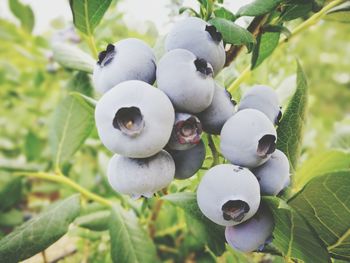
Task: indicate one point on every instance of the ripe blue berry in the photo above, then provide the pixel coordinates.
(128, 59)
(253, 234)
(186, 133)
(273, 176)
(187, 80)
(188, 162)
(228, 194)
(264, 99)
(141, 177)
(199, 37)
(129, 120)
(248, 138)
(219, 111)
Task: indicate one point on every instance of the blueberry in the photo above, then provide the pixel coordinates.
(264, 99)
(199, 37)
(273, 176)
(248, 138)
(253, 234)
(134, 119)
(186, 132)
(141, 177)
(128, 59)
(220, 110)
(228, 194)
(187, 80)
(188, 162)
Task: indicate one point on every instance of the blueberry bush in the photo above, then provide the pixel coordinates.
(215, 143)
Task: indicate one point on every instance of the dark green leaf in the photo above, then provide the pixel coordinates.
(97, 221)
(290, 130)
(201, 227)
(40, 232)
(80, 82)
(72, 123)
(296, 9)
(24, 13)
(340, 13)
(87, 14)
(10, 193)
(320, 164)
(73, 58)
(129, 241)
(258, 7)
(266, 44)
(224, 13)
(292, 236)
(33, 146)
(278, 28)
(232, 33)
(325, 204)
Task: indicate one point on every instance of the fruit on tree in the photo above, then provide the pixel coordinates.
(141, 177)
(219, 111)
(199, 37)
(253, 234)
(188, 162)
(228, 194)
(274, 175)
(129, 120)
(264, 99)
(248, 138)
(186, 133)
(187, 80)
(128, 59)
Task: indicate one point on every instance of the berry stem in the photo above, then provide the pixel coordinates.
(214, 151)
(92, 45)
(68, 182)
(303, 26)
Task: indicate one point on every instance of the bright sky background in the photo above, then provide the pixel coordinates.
(136, 11)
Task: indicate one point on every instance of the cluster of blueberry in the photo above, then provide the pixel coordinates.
(156, 132)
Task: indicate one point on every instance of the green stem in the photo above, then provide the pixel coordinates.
(68, 182)
(214, 151)
(306, 24)
(92, 45)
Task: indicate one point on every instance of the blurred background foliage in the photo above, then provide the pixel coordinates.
(32, 84)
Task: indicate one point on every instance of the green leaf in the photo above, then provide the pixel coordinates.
(320, 164)
(292, 236)
(296, 9)
(258, 7)
(24, 13)
(232, 33)
(189, 9)
(40, 232)
(325, 204)
(340, 13)
(201, 227)
(11, 193)
(71, 57)
(72, 123)
(81, 82)
(87, 14)
(290, 130)
(97, 221)
(266, 44)
(11, 218)
(84, 100)
(129, 241)
(33, 146)
(224, 13)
